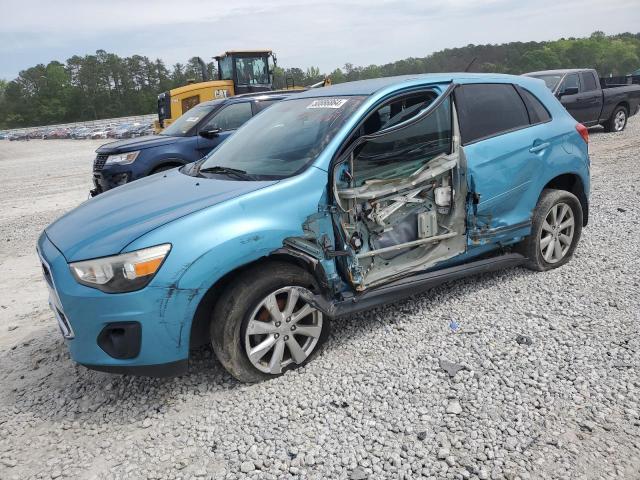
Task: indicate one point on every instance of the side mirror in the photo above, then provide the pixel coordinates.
(209, 133)
(569, 91)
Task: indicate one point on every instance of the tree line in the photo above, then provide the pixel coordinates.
(105, 85)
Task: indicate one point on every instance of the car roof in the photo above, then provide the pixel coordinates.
(369, 87)
(560, 71)
(250, 97)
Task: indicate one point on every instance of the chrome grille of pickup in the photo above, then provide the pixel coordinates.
(99, 162)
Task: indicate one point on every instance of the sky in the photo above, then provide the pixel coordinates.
(303, 33)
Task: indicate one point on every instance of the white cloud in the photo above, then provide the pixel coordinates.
(303, 33)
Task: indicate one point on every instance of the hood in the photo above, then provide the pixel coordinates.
(138, 143)
(106, 224)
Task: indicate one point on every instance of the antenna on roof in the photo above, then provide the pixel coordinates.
(470, 63)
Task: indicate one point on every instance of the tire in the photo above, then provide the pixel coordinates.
(618, 120)
(544, 236)
(240, 322)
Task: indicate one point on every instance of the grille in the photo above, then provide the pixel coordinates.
(99, 162)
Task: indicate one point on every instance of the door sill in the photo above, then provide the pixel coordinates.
(412, 285)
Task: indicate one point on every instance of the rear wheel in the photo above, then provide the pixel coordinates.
(262, 326)
(555, 230)
(618, 120)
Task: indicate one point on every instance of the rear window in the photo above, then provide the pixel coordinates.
(486, 110)
(537, 111)
(550, 80)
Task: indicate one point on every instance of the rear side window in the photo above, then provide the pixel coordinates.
(537, 111)
(486, 110)
(588, 81)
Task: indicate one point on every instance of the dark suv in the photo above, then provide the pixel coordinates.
(186, 140)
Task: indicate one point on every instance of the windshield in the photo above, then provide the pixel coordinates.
(551, 80)
(252, 71)
(186, 122)
(284, 139)
(224, 67)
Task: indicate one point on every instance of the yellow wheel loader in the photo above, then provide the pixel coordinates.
(238, 72)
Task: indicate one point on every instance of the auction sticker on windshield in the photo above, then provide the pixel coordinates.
(328, 103)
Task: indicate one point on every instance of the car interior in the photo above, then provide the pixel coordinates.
(400, 196)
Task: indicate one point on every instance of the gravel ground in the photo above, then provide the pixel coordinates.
(377, 402)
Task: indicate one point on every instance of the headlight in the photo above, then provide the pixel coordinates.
(122, 158)
(121, 273)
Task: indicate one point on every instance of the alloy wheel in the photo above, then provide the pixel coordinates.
(557, 233)
(282, 330)
(619, 120)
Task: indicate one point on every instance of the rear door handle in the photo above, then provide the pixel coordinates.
(539, 147)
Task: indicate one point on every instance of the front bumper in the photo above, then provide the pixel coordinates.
(163, 315)
(171, 369)
(110, 177)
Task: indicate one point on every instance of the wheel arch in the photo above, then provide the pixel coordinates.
(199, 334)
(572, 183)
(167, 162)
(624, 104)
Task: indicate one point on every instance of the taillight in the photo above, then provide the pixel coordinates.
(584, 133)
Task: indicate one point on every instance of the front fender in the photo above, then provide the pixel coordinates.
(210, 243)
(157, 159)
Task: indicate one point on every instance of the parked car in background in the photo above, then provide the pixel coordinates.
(111, 126)
(35, 134)
(57, 133)
(590, 101)
(148, 129)
(122, 130)
(80, 133)
(18, 136)
(186, 140)
(331, 201)
(125, 131)
(141, 130)
(111, 132)
(99, 132)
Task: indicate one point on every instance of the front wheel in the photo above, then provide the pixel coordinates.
(555, 230)
(263, 326)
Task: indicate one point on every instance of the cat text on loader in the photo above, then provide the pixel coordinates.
(239, 71)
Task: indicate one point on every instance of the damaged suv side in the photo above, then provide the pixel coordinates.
(331, 202)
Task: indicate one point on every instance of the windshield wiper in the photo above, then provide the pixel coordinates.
(227, 171)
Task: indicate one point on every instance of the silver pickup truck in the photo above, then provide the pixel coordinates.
(590, 101)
